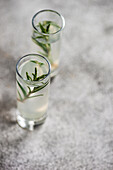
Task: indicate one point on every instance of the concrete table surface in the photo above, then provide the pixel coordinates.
(78, 133)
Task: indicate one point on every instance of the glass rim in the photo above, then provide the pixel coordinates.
(33, 54)
(49, 10)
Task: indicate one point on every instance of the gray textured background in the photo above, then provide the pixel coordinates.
(78, 133)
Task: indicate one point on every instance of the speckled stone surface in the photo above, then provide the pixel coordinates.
(78, 133)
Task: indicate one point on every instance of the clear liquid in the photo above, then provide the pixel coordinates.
(53, 40)
(33, 108)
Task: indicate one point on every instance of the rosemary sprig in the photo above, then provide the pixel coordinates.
(36, 62)
(44, 45)
(28, 94)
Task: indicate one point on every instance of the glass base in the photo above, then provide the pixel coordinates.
(30, 124)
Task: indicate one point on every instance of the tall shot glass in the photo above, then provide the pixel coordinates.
(47, 29)
(32, 80)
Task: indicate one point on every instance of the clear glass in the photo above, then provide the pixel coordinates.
(32, 80)
(47, 29)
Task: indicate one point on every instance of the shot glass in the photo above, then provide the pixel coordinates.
(32, 81)
(47, 28)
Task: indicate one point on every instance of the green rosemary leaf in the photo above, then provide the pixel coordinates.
(48, 47)
(29, 89)
(28, 77)
(20, 95)
(41, 64)
(33, 61)
(51, 23)
(23, 90)
(43, 46)
(33, 76)
(47, 28)
(36, 62)
(38, 37)
(34, 31)
(42, 28)
(42, 77)
(35, 72)
(40, 87)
